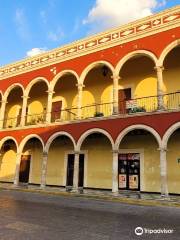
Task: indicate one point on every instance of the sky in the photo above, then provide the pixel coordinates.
(29, 27)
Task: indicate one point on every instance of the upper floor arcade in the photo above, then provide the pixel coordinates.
(132, 77)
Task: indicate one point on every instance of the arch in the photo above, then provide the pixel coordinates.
(91, 66)
(10, 88)
(91, 131)
(3, 140)
(166, 50)
(134, 127)
(54, 136)
(130, 55)
(168, 134)
(27, 138)
(33, 82)
(61, 74)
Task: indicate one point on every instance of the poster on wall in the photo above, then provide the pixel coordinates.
(122, 180)
(133, 181)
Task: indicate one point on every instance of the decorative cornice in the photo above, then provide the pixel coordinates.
(160, 22)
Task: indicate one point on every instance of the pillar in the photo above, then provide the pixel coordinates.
(76, 172)
(115, 172)
(2, 112)
(160, 87)
(49, 106)
(18, 161)
(115, 93)
(79, 100)
(44, 169)
(163, 172)
(24, 112)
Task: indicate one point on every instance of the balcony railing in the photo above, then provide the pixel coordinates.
(149, 104)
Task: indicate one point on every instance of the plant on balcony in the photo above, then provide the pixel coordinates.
(137, 109)
(98, 114)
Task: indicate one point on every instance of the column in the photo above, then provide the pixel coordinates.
(49, 106)
(23, 114)
(163, 172)
(76, 172)
(79, 100)
(115, 93)
(18, 161)
(160, 86)
(115, 172)
(2, 112)
(44, 169)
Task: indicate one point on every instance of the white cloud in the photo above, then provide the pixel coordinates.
(35, 51)
(111, 13)
(56, 36)
(21, 24)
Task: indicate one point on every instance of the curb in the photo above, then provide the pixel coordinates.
(140, 202)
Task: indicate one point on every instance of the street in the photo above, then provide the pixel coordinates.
(31, 216)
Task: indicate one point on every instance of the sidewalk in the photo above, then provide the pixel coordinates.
(144, 199)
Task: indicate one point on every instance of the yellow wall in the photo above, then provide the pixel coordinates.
(56, 160)
(173, 167)
(8, 165)
(37, 103)
(151, 166)
(99, 162)
(14, 103)
(34, 148)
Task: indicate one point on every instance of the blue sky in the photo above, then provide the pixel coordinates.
(47, 24)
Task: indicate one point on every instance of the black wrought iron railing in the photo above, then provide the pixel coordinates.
(166, 102)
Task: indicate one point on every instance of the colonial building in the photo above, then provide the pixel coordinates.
(102, 112)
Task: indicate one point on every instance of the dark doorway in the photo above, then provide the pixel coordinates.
(81, 170)
(70, 170)
(24, 168)
(19, 117)
(56, 111)
(124, 95)
(129, 171)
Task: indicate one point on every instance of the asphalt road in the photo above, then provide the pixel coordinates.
(31, 216)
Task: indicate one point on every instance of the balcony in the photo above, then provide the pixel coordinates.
(170, 102)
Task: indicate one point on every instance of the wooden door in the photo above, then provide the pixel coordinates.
(124, 95)
(70, 170)
(81, 170)
(56, 110)
(24, 168)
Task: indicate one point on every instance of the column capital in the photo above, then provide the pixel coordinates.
(115, 77)
(25, 97)
(161, 149)
(50, 92)
(4, 101)
(80, 85)
(159, 68)
(115, 151)
(45, 154)
(76, 152)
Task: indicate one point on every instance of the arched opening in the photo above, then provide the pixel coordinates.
(171, 78)
(173, 162)
(59, 170)
(138, 162)
(137, 85)
(31, 161)
(37, 103)
(97, 94)
(64, 102)
(12, 117)
(98, 161)
(8, 161)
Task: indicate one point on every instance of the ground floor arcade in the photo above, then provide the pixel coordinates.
(138, 160)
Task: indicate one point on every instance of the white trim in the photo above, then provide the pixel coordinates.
(141, 152)
(124, 132)
(88, 68)
(33, 82)
(54, 136)
(166, 50)
(27, 138)
(91, 131)
(169, 133)
(11, 87)
(61, 74)
(3, 140)
(133, 54)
